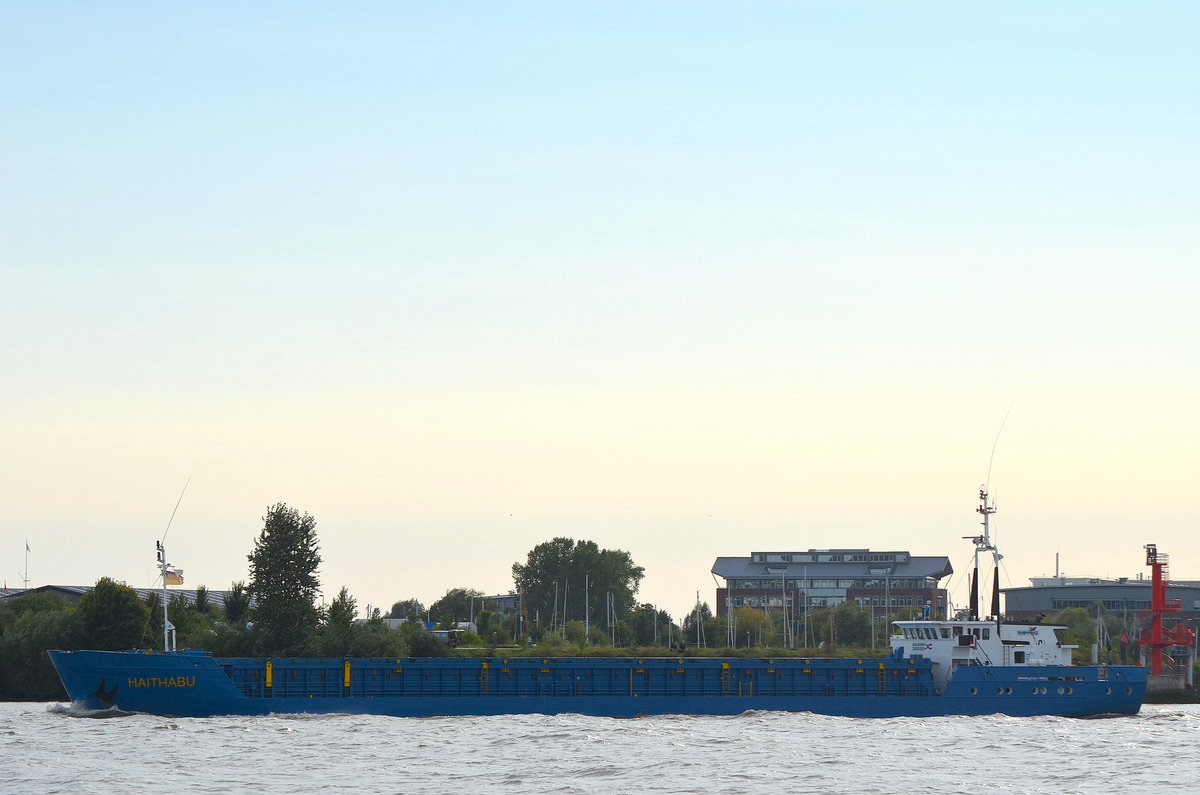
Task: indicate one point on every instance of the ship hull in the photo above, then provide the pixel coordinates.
(197, 685)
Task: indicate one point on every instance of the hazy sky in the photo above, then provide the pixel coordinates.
(686, 279)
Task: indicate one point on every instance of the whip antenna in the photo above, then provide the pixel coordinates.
(988, 481)
(189, 480)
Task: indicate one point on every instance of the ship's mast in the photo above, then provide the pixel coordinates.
(170, 575)
(984, 543)
(163, 566)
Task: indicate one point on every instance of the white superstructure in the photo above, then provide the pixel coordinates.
(951, 644)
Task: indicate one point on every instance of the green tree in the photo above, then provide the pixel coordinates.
(752, 627)
(487, 622)
(237, 603)
(820, 626)
(230, 641)
(337, 633)
(283, 582)
(111, 616)
(574, 631)
(420, 642)
(852, 624)
(29, 625)
(644, 622)
(25, 669)
(566, 579)
(702, 613)
(201, 603)
(12, 607)
(456, 605)
(406, 608)
(193, 630)
(1080, 631)
(373, 638)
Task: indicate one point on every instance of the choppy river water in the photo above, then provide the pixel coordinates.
(46, 748)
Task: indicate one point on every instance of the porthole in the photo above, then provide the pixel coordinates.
(1108, 691)
(1070, 690)
(1044, 691)
(1129, 691)
(974, 691)
(1033, 690)
(1060, 691)
(1008, 691)
(999, 691)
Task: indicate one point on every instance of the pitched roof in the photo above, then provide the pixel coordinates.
(937, 566)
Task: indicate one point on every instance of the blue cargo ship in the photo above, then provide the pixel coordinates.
(935, 668)
(961, 666)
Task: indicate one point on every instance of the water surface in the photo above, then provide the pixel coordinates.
(51, 748)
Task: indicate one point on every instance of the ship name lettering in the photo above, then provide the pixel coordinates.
(162, 681)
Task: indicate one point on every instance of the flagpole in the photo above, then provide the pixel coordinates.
(25, 579)
(163, 565)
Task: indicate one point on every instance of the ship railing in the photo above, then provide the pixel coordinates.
(983, 653)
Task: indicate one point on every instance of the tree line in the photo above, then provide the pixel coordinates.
(274, 613)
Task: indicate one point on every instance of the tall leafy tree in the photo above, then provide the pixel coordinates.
(852, 624)
(111, 616)
(560, 574)
(237, 603)
(373, 638)
(201, 603)
(456, 605)
(647, 626)
(338, 630)
(283, 582)
(406, 608)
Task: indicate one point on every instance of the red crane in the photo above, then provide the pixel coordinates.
(1158, 637)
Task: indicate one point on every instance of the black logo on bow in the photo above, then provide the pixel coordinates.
(107, 697)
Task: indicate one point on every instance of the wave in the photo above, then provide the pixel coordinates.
(77, 710)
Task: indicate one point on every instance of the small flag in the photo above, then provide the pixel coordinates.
(27, 549)
(173, 577)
